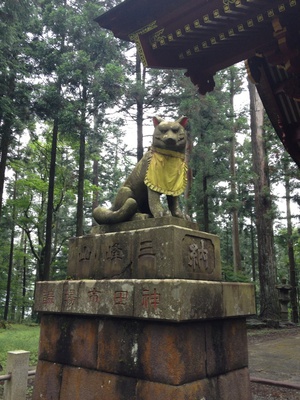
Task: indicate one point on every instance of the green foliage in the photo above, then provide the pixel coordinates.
(19, 337)
(229, 275)
(57, 65)
(282, 240)
(210, 131)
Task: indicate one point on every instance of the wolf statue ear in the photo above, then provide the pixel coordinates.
(183, 121)
(157, 120)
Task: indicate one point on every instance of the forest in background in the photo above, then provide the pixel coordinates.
(75, 111)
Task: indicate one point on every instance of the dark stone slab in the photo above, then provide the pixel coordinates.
(47, 381)
(226, 346)
(203, 389)
(117, 359)
(68, 340)
(152, 351)
(86, 384)
(234, 385)
(159, 352)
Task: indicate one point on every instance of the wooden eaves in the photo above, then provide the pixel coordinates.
(205, 36)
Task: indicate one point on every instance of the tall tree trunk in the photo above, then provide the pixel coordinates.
(95, 199)
(6, 137)
(47, 255)
(47, 258)
(80, 190)
(205, 215)
(5, 140)
(187, 193)
(205, 203)
(237, 261)
(95, 183)
(269, 306)
(11, 253)
(290, 244)
(24, 268)
(252, 250)
(139, 107)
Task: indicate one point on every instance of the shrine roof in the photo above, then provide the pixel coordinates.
(205, 36)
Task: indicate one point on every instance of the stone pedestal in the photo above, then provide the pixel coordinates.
(145, 317)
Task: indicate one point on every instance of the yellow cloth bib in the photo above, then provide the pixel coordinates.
(166, 172)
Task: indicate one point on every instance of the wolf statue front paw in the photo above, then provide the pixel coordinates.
(140, 216)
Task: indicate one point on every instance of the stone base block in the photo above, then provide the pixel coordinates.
(47, 381)
(173, 300)
(158, 252)
(71, 383)
(232, 386)
(166, 353)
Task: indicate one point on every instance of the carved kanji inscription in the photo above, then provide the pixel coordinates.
(147, 259)
(69, 297)
(120, 297)
(150, 299)
(198, 256)
(48, 296)
(85, 253)
(94, 295)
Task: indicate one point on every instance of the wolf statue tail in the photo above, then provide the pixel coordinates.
(105, 216)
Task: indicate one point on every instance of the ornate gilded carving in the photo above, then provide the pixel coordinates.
(287, 53)
(135, 36)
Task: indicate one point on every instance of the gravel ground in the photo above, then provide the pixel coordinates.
(266, 392)
(267, 336)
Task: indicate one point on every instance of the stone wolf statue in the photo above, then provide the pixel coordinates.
(162, 170)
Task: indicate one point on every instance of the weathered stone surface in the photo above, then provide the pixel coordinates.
(151, 350)
(99, 297)
(68, 340)
(226, 346)
(54, 381)
(167, 353)
(201, 389)
(177, 300)
(234, 386)
(173, 354)
(118, 342)
(49, 296)
(166, 299)
(179, 334)
(144, 224)
(162, 252)
(47, 381)
(172, 252)
(120, 359)
(238, 298)
(101, 256)
(85, 384)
